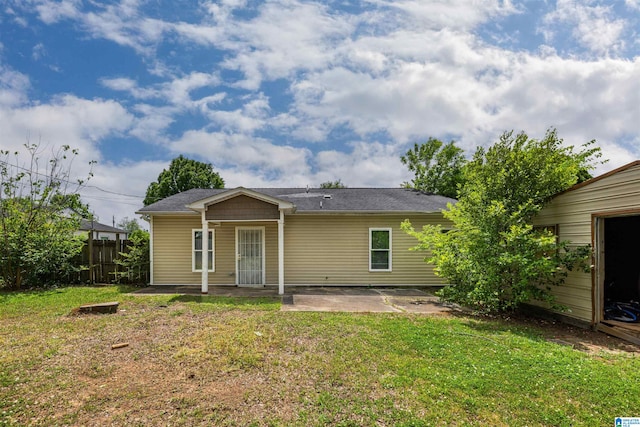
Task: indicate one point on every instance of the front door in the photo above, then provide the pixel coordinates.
(250, 256)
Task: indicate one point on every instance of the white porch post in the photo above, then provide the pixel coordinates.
(205, 255)
(281, 254)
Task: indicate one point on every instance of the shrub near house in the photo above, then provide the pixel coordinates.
(494, 256)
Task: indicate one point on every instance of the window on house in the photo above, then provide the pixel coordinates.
(379, 249)
(197, 251)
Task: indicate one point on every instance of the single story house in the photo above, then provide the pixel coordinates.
(291, 236)
(603, 212)
(102, 231)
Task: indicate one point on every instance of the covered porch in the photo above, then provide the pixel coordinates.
(251, 217)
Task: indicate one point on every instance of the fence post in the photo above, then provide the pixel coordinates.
(90, 241)
(117, 256)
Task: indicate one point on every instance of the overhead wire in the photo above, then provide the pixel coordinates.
(111, 200)
(73, 183)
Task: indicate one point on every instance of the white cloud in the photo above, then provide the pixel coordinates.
(80, 123)
(285, 37)
(176, 91)
(122, 23)
(617, 155)
(593, 26)
(253, 162)
(200, 33)
(77, 122)
(152, 120)
(238, 151)
(51, 12)
(38, 51)
(398, 73)
(367, 165)
(632, 4)
(442, 87)
(451, 84)
(179, 90)
(122, 84)
(13, 87)
(252, 116)
(151, 123)
(459, 15)
(108, 191)
(584, 100)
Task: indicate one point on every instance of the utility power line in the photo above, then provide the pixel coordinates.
(73, 183)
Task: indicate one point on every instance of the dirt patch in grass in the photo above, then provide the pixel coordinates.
(173, 372)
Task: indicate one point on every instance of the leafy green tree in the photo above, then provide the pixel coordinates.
(40, 211)
(494, 257)
(183, 174)
(437, 167)
(333, 184)
(136, 260)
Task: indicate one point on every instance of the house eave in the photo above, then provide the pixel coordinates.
(167, 213)
(365, 212)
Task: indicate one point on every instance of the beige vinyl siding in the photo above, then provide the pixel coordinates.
(572, 211)
(172, 251)
(334, 250)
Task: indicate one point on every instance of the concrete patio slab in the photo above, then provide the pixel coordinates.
(330, 299)
(346, 303)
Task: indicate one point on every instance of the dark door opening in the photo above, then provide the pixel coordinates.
(622, 259)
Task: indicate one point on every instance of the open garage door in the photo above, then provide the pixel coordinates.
(619, 273)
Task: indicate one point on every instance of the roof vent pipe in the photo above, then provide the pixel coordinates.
(320, 204)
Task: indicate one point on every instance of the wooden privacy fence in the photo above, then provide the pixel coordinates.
(99, 259)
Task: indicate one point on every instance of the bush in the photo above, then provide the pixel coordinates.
(136, 262)
(38, 220)
(494, 257)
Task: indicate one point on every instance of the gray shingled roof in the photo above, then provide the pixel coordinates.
(96, 226)
(341, 200)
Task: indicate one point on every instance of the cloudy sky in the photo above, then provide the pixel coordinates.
(295, 93)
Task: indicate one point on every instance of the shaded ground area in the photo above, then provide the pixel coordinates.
(581, 339)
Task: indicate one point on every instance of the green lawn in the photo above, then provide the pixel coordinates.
(221, 361)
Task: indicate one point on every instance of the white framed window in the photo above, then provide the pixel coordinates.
(380, 249)
(196, 245)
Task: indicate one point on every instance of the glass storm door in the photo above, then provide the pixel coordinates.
(250, 256)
